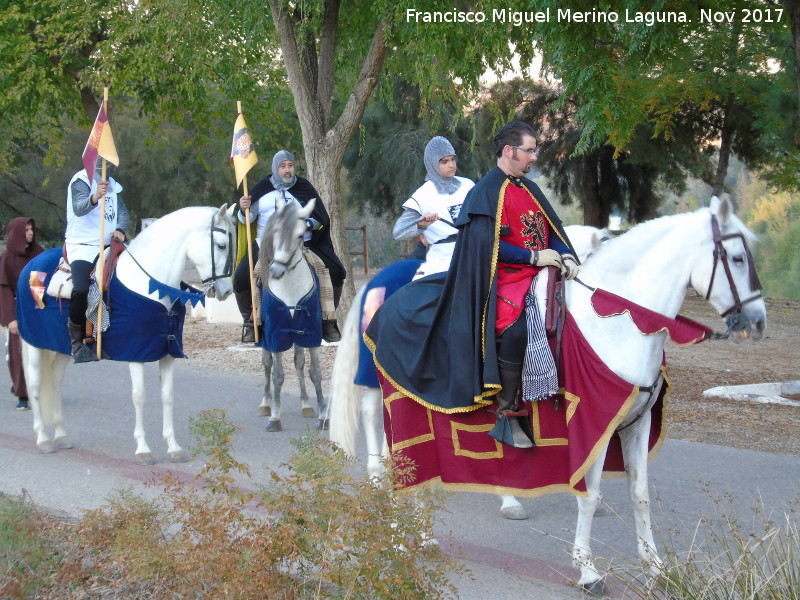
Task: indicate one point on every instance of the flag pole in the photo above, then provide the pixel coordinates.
(100, 265)
(254, 310)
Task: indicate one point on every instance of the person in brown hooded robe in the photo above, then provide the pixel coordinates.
(21, 246)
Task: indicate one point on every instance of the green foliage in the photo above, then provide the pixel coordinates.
(313, 531)
(29, 546)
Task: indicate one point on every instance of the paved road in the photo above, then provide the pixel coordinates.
(508, 559)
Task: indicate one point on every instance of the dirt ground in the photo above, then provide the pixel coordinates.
(691, 369)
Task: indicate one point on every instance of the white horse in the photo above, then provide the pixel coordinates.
(343, 406)
(652, 265)
(287, 275)
(202, 235)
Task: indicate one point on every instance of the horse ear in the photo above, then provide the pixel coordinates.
(308, 208)
(222, 212)
(722, 208)
(231, 213)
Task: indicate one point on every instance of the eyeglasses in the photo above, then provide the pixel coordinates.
(530, 151)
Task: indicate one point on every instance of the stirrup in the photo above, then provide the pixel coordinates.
(84, 354)
(513, 430)
(248, 333)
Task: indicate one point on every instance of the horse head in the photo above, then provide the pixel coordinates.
(215, 255)
(727, 276)
(282, 242)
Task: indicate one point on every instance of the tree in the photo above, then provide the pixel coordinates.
(625, 74)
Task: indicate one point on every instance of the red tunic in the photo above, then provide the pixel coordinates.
(523, 224)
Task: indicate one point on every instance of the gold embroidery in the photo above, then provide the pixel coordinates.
(455, 428)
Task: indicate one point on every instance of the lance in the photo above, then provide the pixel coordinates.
(100, 258)
(255, 310)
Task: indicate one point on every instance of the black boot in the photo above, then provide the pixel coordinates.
(511, 427)
(245, 303)
(80, 351)
(330, 331)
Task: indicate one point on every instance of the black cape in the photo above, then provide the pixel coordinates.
(434, 339)
(320, 242)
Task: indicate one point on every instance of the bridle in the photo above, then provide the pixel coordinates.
(228, 269)
(734, 313)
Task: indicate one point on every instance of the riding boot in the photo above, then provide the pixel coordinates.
(245, 303)
(80, 351)
(512, 427)
(330, 330)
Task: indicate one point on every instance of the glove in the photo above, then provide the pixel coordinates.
(569, 267)
(546, 258)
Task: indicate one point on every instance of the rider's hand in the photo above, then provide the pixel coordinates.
(546, 258)
(119, 235)
(569, 268)
(13, 328)
(102, 190)
(427, 219)
(244, 203)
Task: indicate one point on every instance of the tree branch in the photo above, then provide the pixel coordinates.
(357, 102)
(327, 55)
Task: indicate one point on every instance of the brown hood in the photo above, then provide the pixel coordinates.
(15, 235)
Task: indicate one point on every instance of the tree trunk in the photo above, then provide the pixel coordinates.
(726, 141)
(793, 8)
(324, 145)
(594, 213)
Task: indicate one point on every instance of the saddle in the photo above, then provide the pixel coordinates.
(60, 285)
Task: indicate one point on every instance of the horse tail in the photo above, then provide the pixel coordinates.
(343, 407)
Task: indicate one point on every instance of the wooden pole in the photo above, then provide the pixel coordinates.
(255, 309)
(100, 265)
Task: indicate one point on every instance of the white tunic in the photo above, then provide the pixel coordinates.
(267, 205)
(82, 237)
(427, 199)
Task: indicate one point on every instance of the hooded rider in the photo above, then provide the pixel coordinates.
(82, 242)
(279, 188)
(431, 210)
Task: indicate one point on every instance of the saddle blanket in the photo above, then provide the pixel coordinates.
(142, 329)
(385, 283)
(456, 451)
(282, 329)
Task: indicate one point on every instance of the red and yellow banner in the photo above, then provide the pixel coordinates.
(100, 143)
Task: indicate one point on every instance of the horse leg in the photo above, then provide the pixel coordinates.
(143, 454)
(167, 370)
(635, 441)
(41, 368)
(50, 390)
(315, 374)
(264, 409)
(274, 423)
(372, 416)
(590, 578)
(512, 509)
(299, 368)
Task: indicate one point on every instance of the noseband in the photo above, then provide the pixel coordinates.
(721, 256)
(228, 270)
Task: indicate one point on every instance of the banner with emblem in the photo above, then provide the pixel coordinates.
(243, 156)
(100, 143)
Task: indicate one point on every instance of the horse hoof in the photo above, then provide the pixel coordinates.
(597, 589)
(178, 457)
(145, 459)
(514, 513)
(46, 447)
(308, 413)
(63, 443)
(274, 426)
(322, 425)
(264, 411)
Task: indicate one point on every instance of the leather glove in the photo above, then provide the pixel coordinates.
(546, 258)
(569, 267)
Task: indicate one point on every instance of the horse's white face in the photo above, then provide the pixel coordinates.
(287, 241)
(212, 253)
(732, 286)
